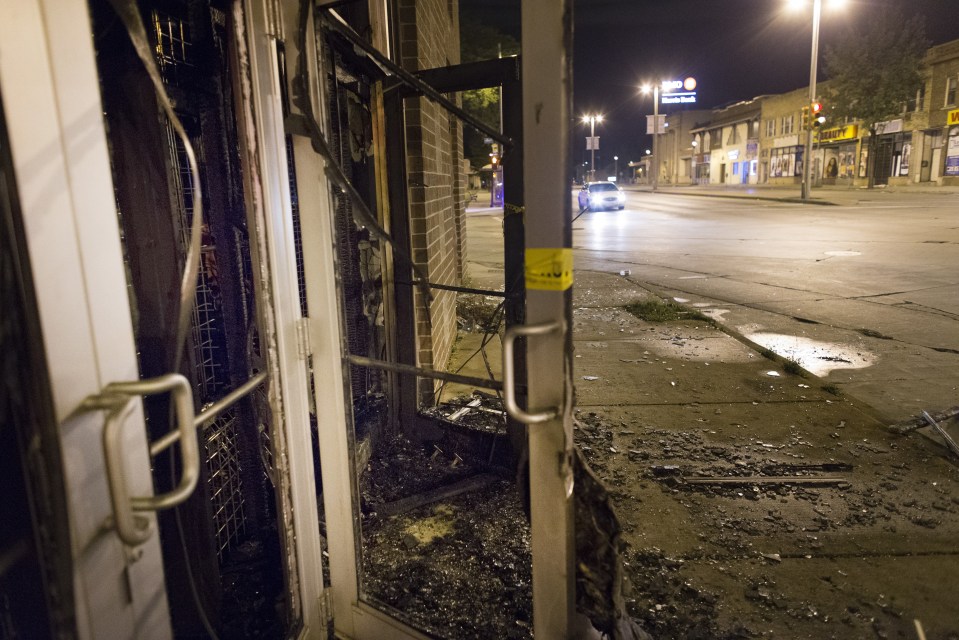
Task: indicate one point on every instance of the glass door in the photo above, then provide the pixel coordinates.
(344, 94)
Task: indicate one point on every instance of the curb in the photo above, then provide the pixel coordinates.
(861, 406)
(825, 203)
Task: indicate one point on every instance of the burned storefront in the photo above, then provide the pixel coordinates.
(246, 235)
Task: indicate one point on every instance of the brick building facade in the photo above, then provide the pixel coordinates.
(429, 38)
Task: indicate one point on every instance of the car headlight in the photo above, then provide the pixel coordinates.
(621, 196)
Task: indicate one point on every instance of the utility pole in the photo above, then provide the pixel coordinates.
(807, 154)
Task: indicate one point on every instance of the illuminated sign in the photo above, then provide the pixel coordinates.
(952, 117)
(849, 132)
(679, 98)
(679, 91)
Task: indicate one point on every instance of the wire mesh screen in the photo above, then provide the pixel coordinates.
(209, 363)
(349, 236)
(297, 233)
(225, 488)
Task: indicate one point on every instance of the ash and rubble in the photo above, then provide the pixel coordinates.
(456, 567)
(459, 567)
(743, 541)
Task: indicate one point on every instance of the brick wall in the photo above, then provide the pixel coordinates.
(429, 38)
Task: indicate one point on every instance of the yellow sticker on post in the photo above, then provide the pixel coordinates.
(549, 269)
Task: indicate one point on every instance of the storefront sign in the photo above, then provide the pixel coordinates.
(849, 132)
(889, 126)
(678, 91)
(952, 117)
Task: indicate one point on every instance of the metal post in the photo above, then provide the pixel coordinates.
(547, 91)
(514, 243)
(655, 172)
(807, 159)
(592, 148)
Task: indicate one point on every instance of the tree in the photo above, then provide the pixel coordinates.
(874, 72)
(481, 42)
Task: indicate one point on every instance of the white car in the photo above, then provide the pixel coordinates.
(596, 196)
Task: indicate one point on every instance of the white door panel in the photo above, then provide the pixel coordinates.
(51, 98)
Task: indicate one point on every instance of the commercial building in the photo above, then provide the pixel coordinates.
(730, 144)
(762, 140)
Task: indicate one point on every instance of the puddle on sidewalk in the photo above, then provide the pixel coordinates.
(817, 357)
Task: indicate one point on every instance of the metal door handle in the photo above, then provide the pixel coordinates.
(509, 372)
(117, 399)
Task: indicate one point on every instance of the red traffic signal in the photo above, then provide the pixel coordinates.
(815, 114)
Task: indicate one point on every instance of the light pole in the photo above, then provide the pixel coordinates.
(814, 59)
(593, 143)
(654, 174)
(616, 167)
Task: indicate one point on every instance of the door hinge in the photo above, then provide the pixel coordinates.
(325, 602)
(303, 338)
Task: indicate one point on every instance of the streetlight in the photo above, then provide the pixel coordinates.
(645, 89)
(592, 143)
(616, 167)
(814, 59)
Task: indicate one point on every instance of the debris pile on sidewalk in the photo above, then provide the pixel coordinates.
(746, 496)
(457, 566)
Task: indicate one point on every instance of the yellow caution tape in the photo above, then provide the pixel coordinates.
(549, 269)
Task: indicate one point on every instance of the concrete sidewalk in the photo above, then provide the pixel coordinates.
(812, 519)
(857, 556)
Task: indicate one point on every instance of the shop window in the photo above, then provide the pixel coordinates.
(735, 168)
(717, 138)
(787, 124)
(919, 102)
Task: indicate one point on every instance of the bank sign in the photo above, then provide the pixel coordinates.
(678, 91)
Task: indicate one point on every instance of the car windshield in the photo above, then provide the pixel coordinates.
(603, 186)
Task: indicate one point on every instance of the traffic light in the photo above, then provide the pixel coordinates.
(806, 122)
(816, 114)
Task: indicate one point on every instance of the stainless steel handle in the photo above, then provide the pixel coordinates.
(117, 399)
(509, 373)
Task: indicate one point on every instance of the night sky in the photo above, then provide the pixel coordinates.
(736, 50)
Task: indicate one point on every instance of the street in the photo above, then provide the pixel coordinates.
(864, 295)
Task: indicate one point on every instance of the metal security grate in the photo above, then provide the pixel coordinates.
(223, 482)
(297, 233)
